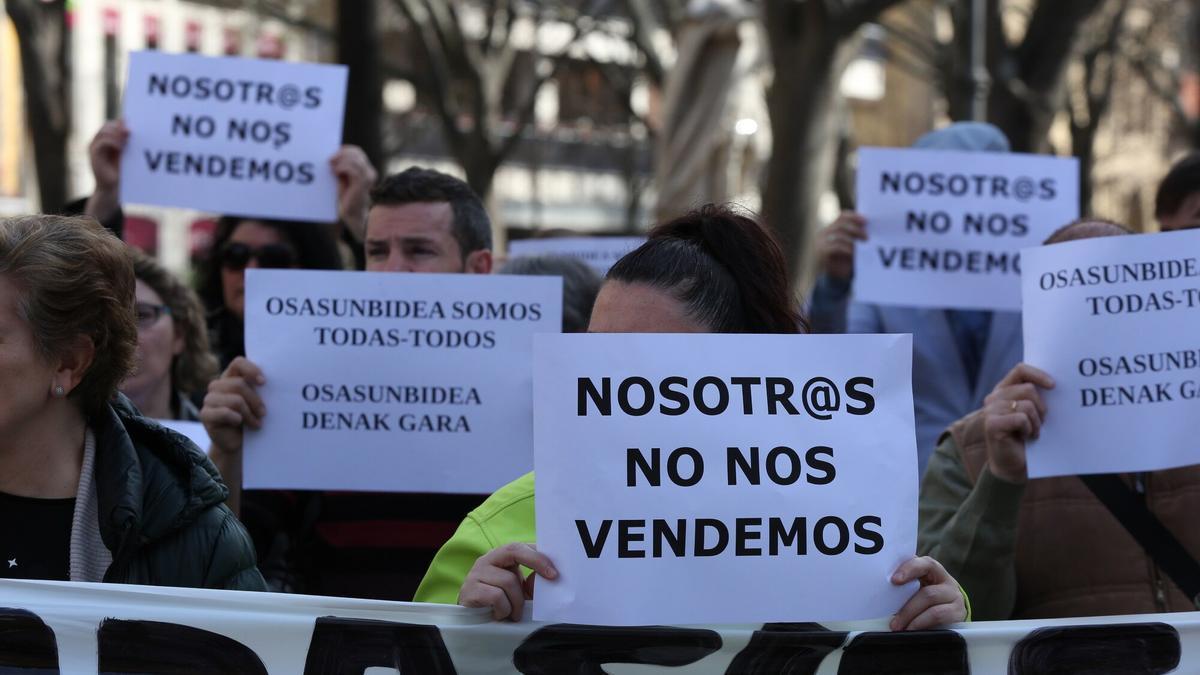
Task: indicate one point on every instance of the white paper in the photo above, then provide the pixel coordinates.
(599, 252)
(230, 135)
(1127, 383)
(193, 430)
(60, 625)
(439, 401)
(582, 464)
(945, 228)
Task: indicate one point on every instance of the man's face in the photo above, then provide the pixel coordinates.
(418, 237)
(1186, 217)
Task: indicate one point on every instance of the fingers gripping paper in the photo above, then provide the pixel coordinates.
(776, 473)
(394, 382)
(1113, 321)
(229, 135)
(946, 228)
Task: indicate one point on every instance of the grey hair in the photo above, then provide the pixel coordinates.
(580, 285)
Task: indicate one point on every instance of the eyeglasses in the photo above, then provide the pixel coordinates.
(148, 314)
(236, 256)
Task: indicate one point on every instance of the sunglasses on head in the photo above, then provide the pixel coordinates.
(236, 256)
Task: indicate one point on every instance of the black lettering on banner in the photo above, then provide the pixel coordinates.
(27, 644)
(570, 648)
(154, 647)
(1110, 649)
(786, 649)
(351, 646)
(931, 652)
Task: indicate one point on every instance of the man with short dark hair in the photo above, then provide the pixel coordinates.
(423, 220)
(364, 544)
(1177, 202)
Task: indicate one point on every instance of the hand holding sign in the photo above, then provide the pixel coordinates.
(355, 178)
(938, 602)
(1113, 320)
(105, 153)
(231, 405)
(495, 580)
(947, 227)
(232, 135)
(1013, 414)
(733, 463)
(835, 245)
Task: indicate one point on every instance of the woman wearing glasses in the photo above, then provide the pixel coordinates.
(90, 490)
(173, 362)
(243, 243)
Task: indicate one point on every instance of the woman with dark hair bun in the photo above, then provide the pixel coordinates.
(725, 269)
(714, 270)
(242, 243)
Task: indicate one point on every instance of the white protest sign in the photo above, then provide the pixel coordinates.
(82, 628)
(1113, 320)
(945, 228)
(193, 430)
(231, 135)
(723, 478)
(599, 252)
(394, 382)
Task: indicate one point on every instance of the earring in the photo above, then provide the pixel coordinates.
(59, 392)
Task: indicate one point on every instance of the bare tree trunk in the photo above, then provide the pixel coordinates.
(1083, 144)
(45, 69)
(800, 105)
(1024, 105)
(358, 48)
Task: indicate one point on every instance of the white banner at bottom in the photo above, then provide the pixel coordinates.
(51, 627)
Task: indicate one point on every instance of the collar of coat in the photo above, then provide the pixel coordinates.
(150, 480)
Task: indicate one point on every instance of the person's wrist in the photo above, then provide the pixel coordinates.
(1007, 474)
(223, 451)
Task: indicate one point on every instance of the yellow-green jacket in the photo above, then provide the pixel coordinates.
(506, 517)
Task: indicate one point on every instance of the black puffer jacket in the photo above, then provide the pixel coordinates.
(162, 510)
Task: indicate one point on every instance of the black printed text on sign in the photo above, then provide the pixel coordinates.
(775, 472)
(945, 228)
(230, 135)
(394, 382)
(1114, 321)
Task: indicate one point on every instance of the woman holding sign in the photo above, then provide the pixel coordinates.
(89, 489)
(711, 271)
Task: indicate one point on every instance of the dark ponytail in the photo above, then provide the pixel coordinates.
(724, 266)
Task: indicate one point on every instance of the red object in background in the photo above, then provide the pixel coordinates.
(1189, 94)
(193, 34)
(112, 22)
(150, 26)
(200, 237)
(142, 233)
(233, 41)
(270, 46)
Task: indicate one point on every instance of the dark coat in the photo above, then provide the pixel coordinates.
(162, 510)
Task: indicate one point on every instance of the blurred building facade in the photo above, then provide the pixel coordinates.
(587, 161)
